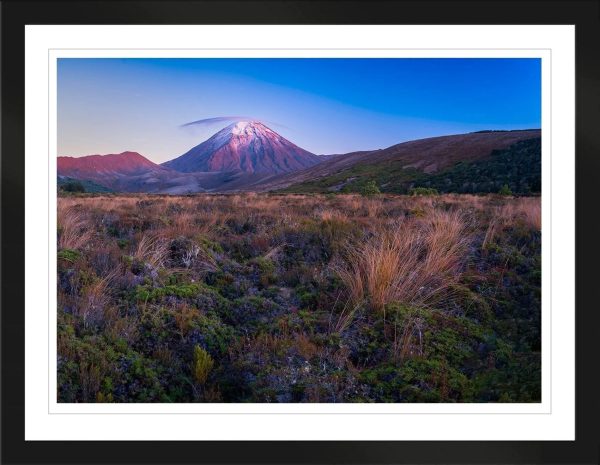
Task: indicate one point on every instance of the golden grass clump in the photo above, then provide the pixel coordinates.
(73, 228)
(414, 263)
(530, 210)
(526, 211)
(152, 250)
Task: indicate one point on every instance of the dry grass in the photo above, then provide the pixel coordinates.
(491, 231)
(530, 210)
(300, 291)
(414, 263)
(152, 250)
(408, 340)
(95, 299)
(344, 319)
(184, 317)
(73, 229)
(525, 211)
(329, 215)
(410, 249)
(90, 377)
(305, 347)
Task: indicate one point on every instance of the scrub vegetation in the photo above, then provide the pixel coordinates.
(516, 169)
(338, 297)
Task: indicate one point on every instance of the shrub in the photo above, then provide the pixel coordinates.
(505, 190)
(123, 243)
(73, 186)
(202, 365)
(68, 255)
(184, 317)
(370, 188)
(148, 293)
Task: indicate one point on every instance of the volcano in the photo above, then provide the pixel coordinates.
(247, 146)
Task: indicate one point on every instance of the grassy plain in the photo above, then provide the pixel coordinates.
(299, 298)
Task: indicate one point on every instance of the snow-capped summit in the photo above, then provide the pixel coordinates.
(242, 126)
(247, 146)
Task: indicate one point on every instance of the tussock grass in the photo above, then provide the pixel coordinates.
(414, 263)
(530, 210)
(152, 250)
(73, 229)
(95, 299)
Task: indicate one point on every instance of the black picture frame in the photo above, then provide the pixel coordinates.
(585, 15)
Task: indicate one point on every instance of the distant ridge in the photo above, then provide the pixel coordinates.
(101, 166)
(121, 172)
(503, 130)
(248, 156)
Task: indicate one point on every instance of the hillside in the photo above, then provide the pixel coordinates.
(519, 167)
(66, 184)
(131, 172)
(102, 166)
(125, 172)
(399, 167)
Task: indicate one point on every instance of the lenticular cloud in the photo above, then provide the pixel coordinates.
(218, 119)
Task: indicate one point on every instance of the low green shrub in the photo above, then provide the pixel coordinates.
(202, 365)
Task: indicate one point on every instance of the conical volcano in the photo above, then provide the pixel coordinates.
(246, 146)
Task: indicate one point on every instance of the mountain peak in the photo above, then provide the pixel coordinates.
(247, 146)
(130, 154)
(241, 127)
(90, 166)
(248, 129)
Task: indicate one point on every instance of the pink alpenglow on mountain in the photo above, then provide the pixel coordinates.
(100, 166)
(250, 147)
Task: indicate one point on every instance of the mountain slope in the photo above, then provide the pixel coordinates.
(399, 164)
(101, 166)
(518, 167)
(66, 184)
(126, 171)
(249, 147)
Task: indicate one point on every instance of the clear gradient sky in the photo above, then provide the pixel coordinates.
(323, 105)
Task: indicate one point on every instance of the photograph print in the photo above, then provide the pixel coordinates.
(298, 230)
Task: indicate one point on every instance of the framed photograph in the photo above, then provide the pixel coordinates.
(298, 232)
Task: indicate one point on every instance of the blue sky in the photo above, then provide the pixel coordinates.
(323, 105)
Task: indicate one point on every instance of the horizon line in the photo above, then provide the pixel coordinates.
(322, 154)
